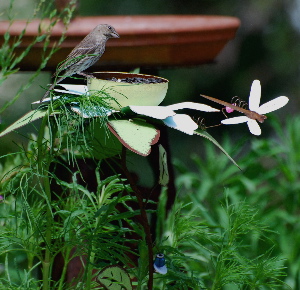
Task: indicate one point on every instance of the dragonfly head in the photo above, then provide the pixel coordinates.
(261, 118)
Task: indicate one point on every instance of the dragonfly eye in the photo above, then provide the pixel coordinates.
(261, 118)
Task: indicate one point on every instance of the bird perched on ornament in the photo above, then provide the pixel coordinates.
(85, 54)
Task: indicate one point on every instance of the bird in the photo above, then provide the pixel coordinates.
(85, 54)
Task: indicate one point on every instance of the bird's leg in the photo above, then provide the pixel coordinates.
(86, 75)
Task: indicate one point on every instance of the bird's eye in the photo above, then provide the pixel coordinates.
(109, 27)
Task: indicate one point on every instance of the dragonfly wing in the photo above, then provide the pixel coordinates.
(235, 120)
(254, 97)
(254, 127)
(273, 105)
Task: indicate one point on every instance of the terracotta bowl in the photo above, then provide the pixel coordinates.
(151, 41)
(125, 94)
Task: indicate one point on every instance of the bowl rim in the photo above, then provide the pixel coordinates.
(124, 74)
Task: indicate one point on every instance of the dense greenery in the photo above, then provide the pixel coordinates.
(226, 227)
(269, 185)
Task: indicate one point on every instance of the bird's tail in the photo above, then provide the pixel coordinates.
(51, 88)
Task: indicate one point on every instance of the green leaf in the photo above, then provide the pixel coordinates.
(114, 278)
(213, 140)
(88, 112)
(6, 36)
(143, 266)
(40, 38)
(163, 166)
(104, 143)
(103, 208)
(135, 70)
(137, 136)
(53, 14)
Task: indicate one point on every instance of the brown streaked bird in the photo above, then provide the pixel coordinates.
(85, 54)
(250, 114)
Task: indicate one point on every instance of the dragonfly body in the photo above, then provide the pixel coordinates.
(250, 114)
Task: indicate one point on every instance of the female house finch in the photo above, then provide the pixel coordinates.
(85, 54)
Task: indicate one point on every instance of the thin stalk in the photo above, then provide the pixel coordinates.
(43, 161)
(91, 255)
(145, 222)
(65, 268)
(30, 258)
(90, 262)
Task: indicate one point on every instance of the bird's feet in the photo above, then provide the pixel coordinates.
(88, 76)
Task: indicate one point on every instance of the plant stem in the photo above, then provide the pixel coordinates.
(43, 161)
(91, 259)
(89, 264)
(65, 267)
(145, 222)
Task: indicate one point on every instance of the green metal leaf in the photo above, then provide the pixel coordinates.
(136, 135)
(213, 140)
(26, 119)
(114, 278)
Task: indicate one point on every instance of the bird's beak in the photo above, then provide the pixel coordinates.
(114, 35)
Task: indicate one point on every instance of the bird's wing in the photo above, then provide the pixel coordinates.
(87, 46)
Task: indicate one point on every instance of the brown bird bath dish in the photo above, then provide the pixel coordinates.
(129, 88)
(145, 40)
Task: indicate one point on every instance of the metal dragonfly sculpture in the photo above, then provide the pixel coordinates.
(255, 112)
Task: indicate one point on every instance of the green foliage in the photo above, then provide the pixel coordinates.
(208, 256)
(210, 239)
(9, 59)
(86, 221)
(269, 183)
